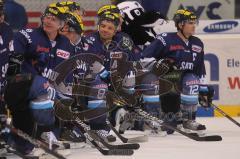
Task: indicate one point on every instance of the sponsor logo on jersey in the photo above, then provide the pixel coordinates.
(176, 47)
(220, 26)
(116, 55)
(105, 86)
(63, 54)
(42, 49)
(197, 48)
(193, 82)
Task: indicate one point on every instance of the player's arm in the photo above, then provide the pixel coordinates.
(153, 57)
(206, 92)
(20, 43)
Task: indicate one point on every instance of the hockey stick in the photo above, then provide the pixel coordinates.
(112, 150)
(9, 151)
(225, 114)
(193, 136)
(127, 140)
(107, 145)
(35, 142)
(64, 113)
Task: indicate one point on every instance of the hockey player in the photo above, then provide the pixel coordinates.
(120, 111)
(185, 51)
(6, 44)
(41, 49)
(6, 47)
(111, 9)
(73, 30)
(106, 41)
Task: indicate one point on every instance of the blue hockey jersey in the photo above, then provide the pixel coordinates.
(188, 57)
(121, 42)
(6, 47)
(40, 53)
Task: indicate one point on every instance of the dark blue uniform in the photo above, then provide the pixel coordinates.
(41, 56)
(120, 42)
(188, 57)
(6, 48)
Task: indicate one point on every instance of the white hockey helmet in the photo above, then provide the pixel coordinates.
(131, 9)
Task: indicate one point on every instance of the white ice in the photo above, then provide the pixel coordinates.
(179, 147)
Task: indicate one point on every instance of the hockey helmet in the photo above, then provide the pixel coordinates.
(56, 11)
(74, 21)
(115, 18)
(131, 9)
(108, 8)
(184, 15)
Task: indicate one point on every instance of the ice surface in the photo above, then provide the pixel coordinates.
(179, 147)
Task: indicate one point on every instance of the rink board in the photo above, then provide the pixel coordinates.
(233, 111)
(222, 60)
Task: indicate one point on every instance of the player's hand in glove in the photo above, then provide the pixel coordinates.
(163, 66)
(15, 62)
(206, 94)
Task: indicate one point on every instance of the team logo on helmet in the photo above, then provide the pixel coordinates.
(108, 8)
(74, 21)
(115, 18)
(184, 15)
(56, 11)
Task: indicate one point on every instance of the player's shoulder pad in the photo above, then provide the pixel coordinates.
(196, 39)
(163, 38)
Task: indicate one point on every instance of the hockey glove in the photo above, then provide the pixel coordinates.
(15, 62)
(163, 66)
(206, 94)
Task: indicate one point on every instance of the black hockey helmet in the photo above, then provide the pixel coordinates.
(74, 21)
(108, 16)
(184, 15)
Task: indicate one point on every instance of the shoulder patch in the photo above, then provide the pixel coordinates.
(197, 48)
(127, 42)
(63, 54)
